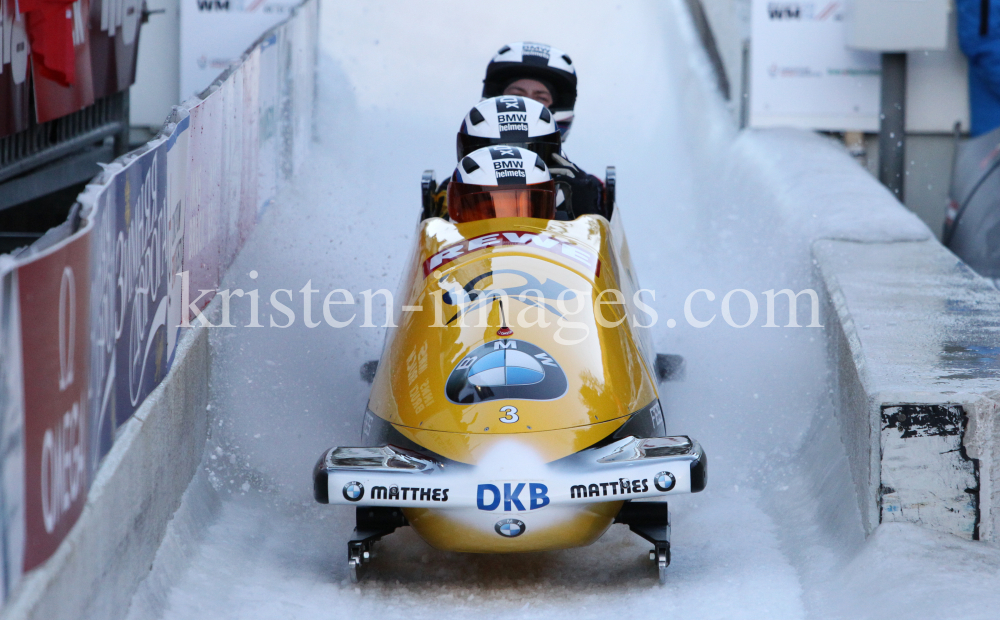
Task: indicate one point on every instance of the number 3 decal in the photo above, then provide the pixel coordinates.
(511, 414)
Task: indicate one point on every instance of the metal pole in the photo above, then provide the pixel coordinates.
(892, 128)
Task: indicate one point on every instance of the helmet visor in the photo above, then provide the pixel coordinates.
(468, 203)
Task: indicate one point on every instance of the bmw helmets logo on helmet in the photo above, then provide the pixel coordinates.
(664, 481)
(510, 528)
(353, 491)
(510, 120)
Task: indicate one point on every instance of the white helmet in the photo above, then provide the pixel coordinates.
(516, 121)
(541, 62)
(501, 181)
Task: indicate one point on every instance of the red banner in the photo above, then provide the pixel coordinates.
(53, 98)
(15, 80)
(55, 309)
(114, 44)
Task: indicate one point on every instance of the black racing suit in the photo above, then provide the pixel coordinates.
(577, 193)
(585, 191)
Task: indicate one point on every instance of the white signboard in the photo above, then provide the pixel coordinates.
(803, 75)
(214, 33)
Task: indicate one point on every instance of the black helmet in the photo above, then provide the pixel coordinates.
(540, 62)
(511, 120)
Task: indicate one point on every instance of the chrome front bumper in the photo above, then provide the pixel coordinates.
(630, 468)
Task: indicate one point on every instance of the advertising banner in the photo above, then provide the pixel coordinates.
(15, 79)
(142, 255)
(114, 44)
(230, 96)
(268, 106)
(11, 433)
(249, 130)
(136, 246)
(176, 187)
(215, 33)
(204, 229)
(55, 317)
(89, 326)
(803, 75)
(105, 296)
(302, 39)
(52, 98)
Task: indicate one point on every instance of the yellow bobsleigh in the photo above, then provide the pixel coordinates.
(515, 405)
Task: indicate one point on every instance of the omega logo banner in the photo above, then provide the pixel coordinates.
(55, 333)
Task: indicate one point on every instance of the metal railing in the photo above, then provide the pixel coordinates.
(42, 143)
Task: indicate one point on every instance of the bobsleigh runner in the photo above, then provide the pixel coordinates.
(508, 412)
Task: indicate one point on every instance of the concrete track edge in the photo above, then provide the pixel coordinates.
(901, 311)
(910, 329)
(138, 487)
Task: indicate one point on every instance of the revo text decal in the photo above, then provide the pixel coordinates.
(542, 241)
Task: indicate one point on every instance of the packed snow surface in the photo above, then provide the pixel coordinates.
(777, 534)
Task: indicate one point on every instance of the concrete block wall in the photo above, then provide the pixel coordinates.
(137, 490)
(910, 329)
(915, 336)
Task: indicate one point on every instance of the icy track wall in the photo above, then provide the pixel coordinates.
(913, 334)
(102, 396)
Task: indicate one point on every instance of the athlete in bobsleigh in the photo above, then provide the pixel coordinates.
(509, 412)
(538, 81)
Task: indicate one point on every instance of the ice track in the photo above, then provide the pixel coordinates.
(776, 535)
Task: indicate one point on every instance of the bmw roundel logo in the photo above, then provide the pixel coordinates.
(664, 481)
(353, 491)
(506, 369)
(509, 528)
